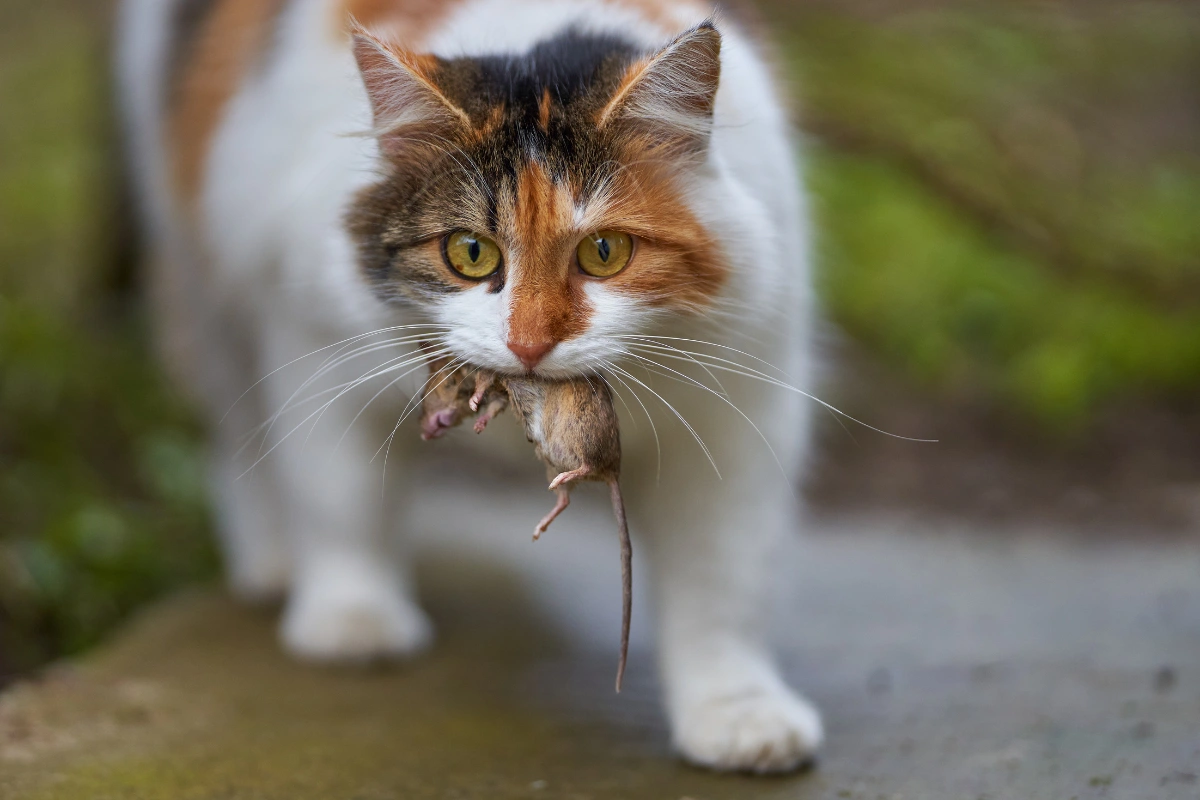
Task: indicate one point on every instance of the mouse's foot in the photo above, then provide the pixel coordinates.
(483, 382)
(564, 500)
(570, 477)
(496, 406)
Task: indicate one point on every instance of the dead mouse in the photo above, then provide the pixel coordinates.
(573, 426)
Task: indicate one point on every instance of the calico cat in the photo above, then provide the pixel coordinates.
(545, 187)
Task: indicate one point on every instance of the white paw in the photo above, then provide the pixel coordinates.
(760, 730)
(354, 624)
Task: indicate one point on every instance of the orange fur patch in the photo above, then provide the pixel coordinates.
(490, 124)
(232, 39)
(544, 111)
(548, 305)
(408, 21)
(677, 262)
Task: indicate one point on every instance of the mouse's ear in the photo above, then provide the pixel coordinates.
(435, 363)
(669, 96)
(409, 109)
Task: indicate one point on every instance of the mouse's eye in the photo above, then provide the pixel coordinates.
(605, 253)
(471, 255)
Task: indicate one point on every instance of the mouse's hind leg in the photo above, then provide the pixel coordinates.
(570, 477)
(560, 505)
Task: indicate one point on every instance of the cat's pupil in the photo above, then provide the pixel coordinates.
(603, 248)
(473, 250)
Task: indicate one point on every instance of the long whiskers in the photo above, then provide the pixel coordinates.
(683, 378)
(750, 372)
(412, 406)
(378, 372)
(673, 410)
(607, 368)
(335, 360)
(343, 342)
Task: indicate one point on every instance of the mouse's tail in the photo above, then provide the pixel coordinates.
(618, 504)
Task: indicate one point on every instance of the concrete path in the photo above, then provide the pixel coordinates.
(950, 663)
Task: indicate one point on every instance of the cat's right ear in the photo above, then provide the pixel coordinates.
(668, 98)
(409, 109)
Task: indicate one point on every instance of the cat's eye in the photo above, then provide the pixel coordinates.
(605, 253)
(471, 255)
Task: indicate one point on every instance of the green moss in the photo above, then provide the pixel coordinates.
(102, 502)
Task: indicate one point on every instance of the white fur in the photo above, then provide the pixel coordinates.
(267, 274)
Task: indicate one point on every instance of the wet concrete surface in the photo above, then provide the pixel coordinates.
(949, 663)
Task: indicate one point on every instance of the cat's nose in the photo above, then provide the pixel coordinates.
(530, 354)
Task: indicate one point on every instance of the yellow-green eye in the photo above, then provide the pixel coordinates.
(604, 254)
(472, 255)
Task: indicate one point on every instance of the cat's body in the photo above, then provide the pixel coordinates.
(276, 228)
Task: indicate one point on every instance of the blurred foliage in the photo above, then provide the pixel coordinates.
(102, 503)
(1009, 193)
(102, 496)
(929, 291)
(1008, 201)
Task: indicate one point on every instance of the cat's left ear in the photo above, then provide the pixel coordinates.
(409, 109)
(669, 96)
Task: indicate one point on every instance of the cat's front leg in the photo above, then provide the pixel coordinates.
(711, 543)
(351, 598)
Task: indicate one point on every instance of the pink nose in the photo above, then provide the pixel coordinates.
(434, 426)
(531, 354)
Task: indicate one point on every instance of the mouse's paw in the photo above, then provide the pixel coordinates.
(353, 621)
(763, 730)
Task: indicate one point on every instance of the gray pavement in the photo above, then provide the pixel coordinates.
(950, 662)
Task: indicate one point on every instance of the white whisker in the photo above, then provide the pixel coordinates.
(357, 337)
(749, 372)
(724, 397)
(678, 416)
(657, 444)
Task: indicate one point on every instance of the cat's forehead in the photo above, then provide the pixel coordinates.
(541, 104)
(573, 68)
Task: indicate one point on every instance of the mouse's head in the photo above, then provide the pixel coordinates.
(445, 396)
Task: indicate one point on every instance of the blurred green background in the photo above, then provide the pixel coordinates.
(1007, 198)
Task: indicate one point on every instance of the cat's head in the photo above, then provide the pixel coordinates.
(537, 206)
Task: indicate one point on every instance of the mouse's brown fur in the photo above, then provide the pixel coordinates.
(573, 426)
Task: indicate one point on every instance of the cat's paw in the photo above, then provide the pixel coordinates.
(760, 730)
(354, 624)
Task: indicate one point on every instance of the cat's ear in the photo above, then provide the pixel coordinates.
(669, 96)
(409, 109)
